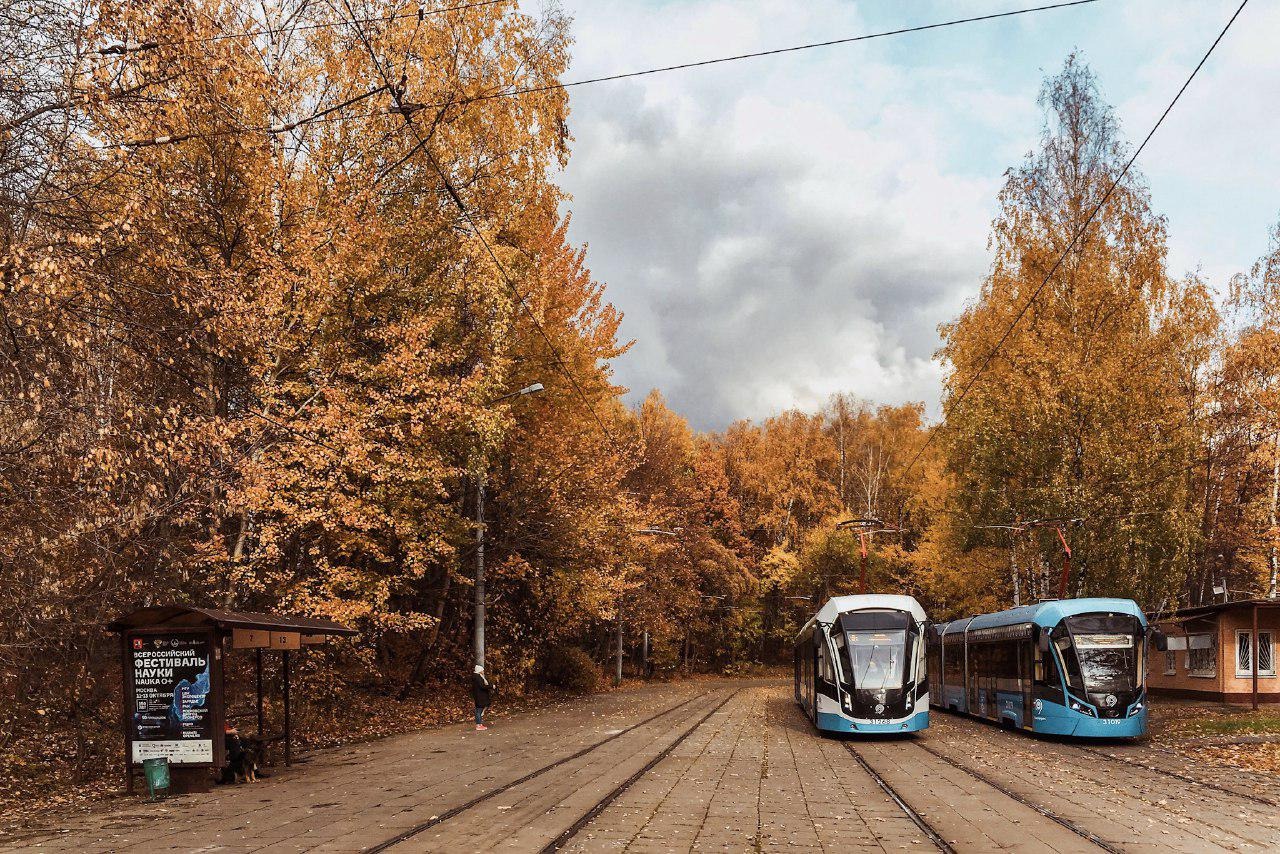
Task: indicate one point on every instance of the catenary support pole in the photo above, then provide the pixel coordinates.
(617, 677)
(479, 606)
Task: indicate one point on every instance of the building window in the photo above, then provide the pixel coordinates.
(1202, 655)
(1170, 663)
(1244, 654)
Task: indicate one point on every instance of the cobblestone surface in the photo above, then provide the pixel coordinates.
(1122, 800)
(734, 767)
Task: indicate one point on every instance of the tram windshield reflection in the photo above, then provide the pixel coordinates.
(877, 658)
(1107, 662)
(1108, 651)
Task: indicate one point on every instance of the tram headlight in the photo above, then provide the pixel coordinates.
(1136, 710)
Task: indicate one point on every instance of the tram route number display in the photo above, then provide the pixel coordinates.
(172, 714)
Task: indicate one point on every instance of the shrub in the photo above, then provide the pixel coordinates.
(571, 669)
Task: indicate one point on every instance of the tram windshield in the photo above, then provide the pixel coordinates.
(877, 658)
(1108, 651)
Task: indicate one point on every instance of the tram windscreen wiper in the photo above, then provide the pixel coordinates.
(877, 658)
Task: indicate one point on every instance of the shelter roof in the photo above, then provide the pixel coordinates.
(1215, 608)
(180, 616)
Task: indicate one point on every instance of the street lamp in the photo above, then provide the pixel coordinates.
(481, 464)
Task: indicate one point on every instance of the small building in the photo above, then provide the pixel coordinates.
(1212, 655)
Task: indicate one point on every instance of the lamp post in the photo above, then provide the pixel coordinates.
(481, 465)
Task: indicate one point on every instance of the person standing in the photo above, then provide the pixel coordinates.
(481, 692)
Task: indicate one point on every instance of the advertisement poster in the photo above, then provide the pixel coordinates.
(172, 702)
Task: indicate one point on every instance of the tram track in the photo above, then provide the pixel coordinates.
(574, 829)
(918, 820)
(453, 812)
(1010, 793)
(1156, 769)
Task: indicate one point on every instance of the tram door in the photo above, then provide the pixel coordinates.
(1026, 664)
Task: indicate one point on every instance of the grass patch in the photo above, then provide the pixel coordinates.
(1209, 723)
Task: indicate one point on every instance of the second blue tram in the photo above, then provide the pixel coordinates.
(1067, 667)
(860, 665)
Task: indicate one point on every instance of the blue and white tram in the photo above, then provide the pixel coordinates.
(1066, 667)
(860, 665)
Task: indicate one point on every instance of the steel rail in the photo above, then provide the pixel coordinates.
(917, 819)
(601, 805)
(1044, 811)
(479, 799)
(1186, 778)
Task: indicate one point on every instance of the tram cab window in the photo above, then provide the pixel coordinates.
(877, 658)
(874, 647)
(1046, 674)
(1108, 652)
(842, 650)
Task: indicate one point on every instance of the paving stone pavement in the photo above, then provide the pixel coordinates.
(1122, 800)
(728, 765)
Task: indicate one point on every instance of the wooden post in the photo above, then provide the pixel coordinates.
(1254, 657)
(288, 724)
(258, 669)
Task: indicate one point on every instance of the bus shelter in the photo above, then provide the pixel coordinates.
(172, 660)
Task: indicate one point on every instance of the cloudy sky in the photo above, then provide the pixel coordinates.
(780, 229)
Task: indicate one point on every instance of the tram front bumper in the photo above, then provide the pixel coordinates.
(839, 723)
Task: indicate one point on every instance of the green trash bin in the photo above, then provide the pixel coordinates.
(157, 774)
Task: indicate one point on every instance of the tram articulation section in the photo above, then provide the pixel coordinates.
(1074, 667)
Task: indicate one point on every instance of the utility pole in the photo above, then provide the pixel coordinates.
(617, 677)
(479, 591)
(481, 467)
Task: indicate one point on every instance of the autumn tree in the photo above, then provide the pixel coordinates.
(1087, 409)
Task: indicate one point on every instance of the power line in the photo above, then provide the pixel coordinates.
(550, 87)
(986, 362)
(397, 96)
(776, 51)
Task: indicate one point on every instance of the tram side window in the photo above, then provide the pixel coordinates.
(842, 649)
(1068, 654)
(825, 671)
(953, 664)
(1047, 678)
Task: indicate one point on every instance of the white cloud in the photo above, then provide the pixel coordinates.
(783, 228)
